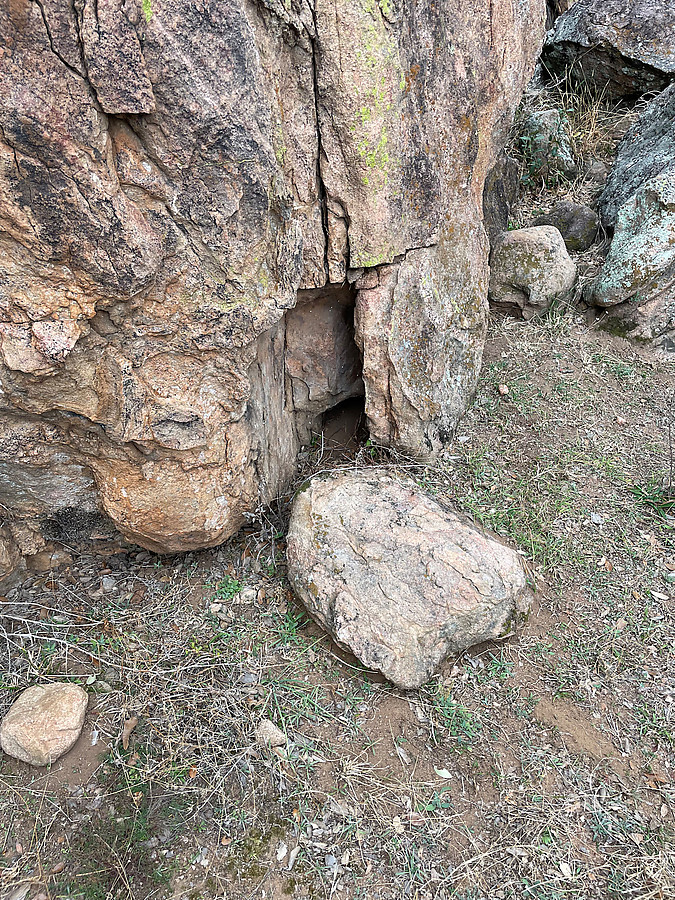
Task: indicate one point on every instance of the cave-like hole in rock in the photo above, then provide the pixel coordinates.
(324, 367)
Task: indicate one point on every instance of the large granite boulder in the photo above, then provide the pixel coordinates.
(190, 193)
(636, 283)
(647, 150)
(638, 275)
(530, 269)
(396, 578)
(622, 48)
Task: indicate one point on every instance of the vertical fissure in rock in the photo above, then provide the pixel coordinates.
(323, 195)
(323, 365)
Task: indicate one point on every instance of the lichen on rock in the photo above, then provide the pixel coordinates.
(174, 177)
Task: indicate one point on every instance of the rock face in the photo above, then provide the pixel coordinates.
(530, 268)
(576, 222)
(43, 723)
(499, 195)
(194, 197)
(620, 47)
(637, 279)
(394, 577)
(639, 271)
(647, 150)
(10, 557)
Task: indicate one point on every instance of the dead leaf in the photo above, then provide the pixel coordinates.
(402, 755)
(129, 726)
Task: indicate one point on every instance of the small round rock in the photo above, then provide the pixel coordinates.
(43, 723)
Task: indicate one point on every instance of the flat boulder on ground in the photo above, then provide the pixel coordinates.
(43, 723)
(396, 578)
(530, 269)
(622, 48)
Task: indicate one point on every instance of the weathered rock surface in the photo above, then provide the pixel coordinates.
(185, 188)
(545, 142)
(639, 271)
(647, 150)
(10, 557)
(576, 222)
(394, 577)
(530, 268)
(555, 8)
(43, 723)
(499, 195)
(620, 47)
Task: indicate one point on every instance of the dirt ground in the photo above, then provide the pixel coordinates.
(540, 766)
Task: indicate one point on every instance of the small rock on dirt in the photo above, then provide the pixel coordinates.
(396, 578)
(267, 734)
(43, 723)
(576, 222)
(530, 268)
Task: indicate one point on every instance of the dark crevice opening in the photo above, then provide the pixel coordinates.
(324, 367)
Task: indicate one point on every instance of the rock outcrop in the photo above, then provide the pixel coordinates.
(43, 723)
(622, 48)
(637, 280)
(638, 275)
(194, 197)
(647, 150)
(394, 577)
(530, 269)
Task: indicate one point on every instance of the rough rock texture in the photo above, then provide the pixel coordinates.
(555, 8)
(647, 150)
(576, 222)
(499, 195)
(545, 142)
(10, 558)
(620, 47)
(394, 577)
(530, 268)
(43, 723)
(185, 187)
(639, 271)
